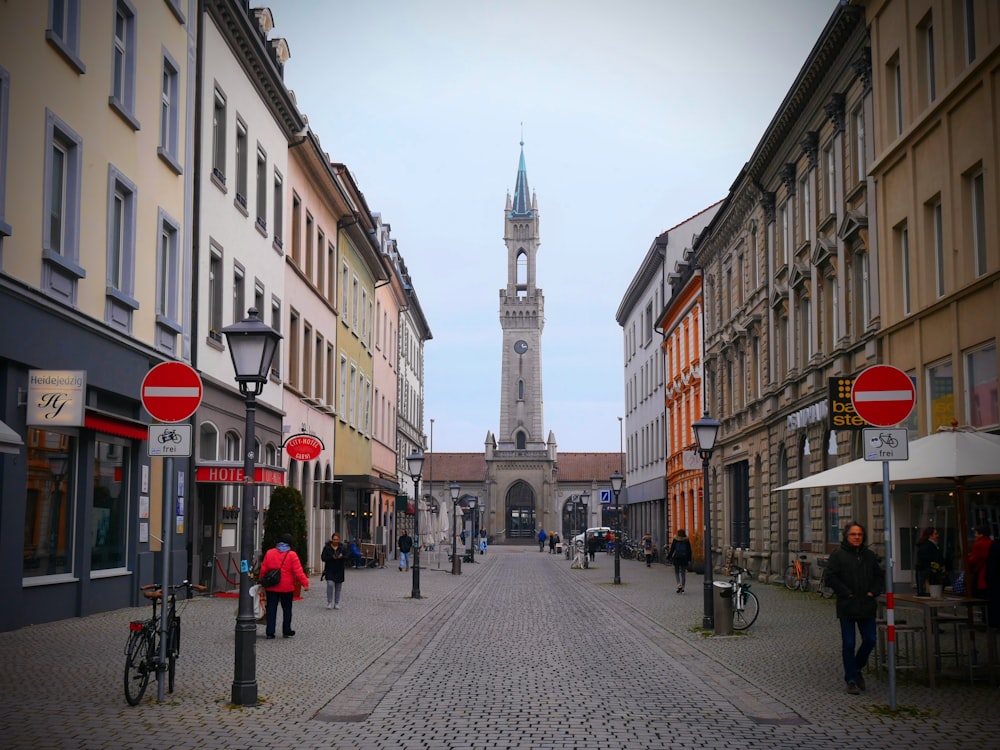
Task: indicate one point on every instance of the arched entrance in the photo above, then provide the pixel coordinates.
(520, 512)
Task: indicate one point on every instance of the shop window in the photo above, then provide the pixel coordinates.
(49, 510)
(981, 384)
(111, 504)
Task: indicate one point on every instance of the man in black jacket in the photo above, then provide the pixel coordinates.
(854, 574)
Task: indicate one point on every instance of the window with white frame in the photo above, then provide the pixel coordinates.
(353, 397)
(294, 349)
(168, 272)
(262, 190)
(355, 302)
(61, 204)
(239, 292)
(215, 294)
(860, 154)
(925, 31)
(219, 137)
(830, 158)
(786, 234)
(123, 60)
(242, 166)
(977, 204)
(121, 233)
(170, 113)
(63, 32)
(903, 248)
(278, 206)
(345, 273)
(937, 238)
(342, 400)
(981, 386)
(940, 394)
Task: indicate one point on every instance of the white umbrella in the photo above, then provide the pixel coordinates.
(947, 454)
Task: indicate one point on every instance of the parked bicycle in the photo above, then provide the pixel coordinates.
(746, 606)
(797, 574)
(142, 652)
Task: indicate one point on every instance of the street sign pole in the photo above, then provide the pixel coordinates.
(884, 396)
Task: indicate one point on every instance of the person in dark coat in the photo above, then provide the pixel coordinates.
(928, 551)
(856, 577)
(679, 555)
(334, 557)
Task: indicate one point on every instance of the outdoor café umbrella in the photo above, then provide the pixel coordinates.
(950, 455)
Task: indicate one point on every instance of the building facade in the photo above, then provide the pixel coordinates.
(95, 242)
(791, 308)
(646, 419)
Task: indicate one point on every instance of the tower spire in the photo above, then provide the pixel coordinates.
(522, 196)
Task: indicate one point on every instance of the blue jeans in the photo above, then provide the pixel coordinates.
(855, 661)
(404, 559)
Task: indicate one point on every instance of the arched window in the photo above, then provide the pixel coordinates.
(520, 441)
(520, 390)
(208, 442)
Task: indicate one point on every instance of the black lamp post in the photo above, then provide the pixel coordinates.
(617, 480)
(584, 499)
(472, 530)
(415, 465)
(252, 345)
(706, 430)
(455, 490)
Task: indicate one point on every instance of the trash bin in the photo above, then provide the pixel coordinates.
(723, 605)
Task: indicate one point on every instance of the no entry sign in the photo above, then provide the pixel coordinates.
(883, 395)
(171, 391)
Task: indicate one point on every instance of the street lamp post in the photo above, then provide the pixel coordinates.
(455, 490)
(472, 530)
(252, 345)
(584, 498)
(415, 465)
(706, 430)
(617, 480)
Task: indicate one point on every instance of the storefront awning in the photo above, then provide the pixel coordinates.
(113, 425)
(10, 441)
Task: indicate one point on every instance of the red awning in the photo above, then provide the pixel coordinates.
(115, 426)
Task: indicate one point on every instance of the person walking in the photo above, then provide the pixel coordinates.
(482, 541)
(405, 547)
(854, 574)
(928, 553)
(282, 557)
(334, 557)
(593, 542)
(679, 554)
(647, 548)
(553, 538)
(541, 540)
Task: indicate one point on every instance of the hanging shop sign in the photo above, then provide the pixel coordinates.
(56, 398)
(303, 447)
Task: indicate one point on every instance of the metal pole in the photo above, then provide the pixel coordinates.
(890, 614)
(415, 594)
(473, 532)
(708, 620)
(454, 530)
(168, 532)
(245, 679)
(618, 539)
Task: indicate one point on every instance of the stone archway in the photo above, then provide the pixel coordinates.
(519, 512)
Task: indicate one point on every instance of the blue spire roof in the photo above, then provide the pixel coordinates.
(522, 196)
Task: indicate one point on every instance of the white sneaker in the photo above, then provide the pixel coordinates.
(336, 606)
(329, 606)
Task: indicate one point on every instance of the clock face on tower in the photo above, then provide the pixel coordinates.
(520, 346)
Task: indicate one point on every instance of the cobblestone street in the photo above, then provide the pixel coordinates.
(520, 651)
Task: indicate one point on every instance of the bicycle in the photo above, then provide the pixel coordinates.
(746, 605)
(797, 574)
(823, 589)
(142, 651)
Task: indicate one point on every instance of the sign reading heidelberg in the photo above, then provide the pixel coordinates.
(56, 397)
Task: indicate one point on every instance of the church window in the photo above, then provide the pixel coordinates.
(520, 441)
(520, 390)
(522, 274)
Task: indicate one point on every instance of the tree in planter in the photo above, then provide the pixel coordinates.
(286, 515)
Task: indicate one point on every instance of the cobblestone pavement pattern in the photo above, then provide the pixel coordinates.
(520, 651)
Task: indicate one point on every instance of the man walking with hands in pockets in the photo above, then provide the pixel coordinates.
(854, 574)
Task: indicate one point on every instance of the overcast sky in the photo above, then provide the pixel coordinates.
(636, 114)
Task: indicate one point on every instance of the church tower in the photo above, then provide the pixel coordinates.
(522, 317)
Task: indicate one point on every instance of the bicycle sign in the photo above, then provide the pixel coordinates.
(885, 445)
(169, 440)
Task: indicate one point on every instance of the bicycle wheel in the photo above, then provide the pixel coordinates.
(791, 578)
(137, 660)
(173, 651)
(745, 617)
(825, 591)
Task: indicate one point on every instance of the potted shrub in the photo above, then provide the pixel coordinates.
(286, 515)
(935, 580)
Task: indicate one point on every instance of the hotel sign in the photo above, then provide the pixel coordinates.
(56, 398)
(235, 475)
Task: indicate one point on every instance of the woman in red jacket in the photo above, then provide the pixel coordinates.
(977, 559)
(283, 557)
